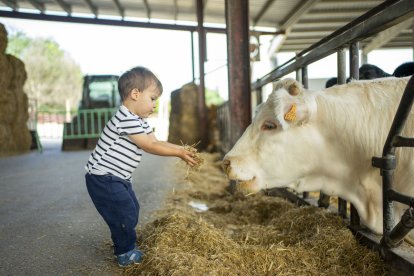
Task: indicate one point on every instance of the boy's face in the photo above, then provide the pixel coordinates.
(145, 101)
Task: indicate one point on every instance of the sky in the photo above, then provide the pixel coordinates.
(113, 50)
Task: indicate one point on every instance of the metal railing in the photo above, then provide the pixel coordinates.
(223, 124)
(32, 125)
(64, 125)
(386, 15)
(393, 237)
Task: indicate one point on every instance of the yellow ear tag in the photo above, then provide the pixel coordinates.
(291, 114)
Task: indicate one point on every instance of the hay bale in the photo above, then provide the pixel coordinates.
(19, 77)
(8, 106)
(6, 71)
(14, 111)
(22, 108)
(3, 39)
(6, 141)
(22, 139)
(184, 118)
(14, 139)
(214, 143)
(19, 74)
(20, 131)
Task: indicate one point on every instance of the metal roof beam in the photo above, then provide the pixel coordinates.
(301, 41)
(348, 11)
(38, 5)
(113, 22)
(345, 15)
(385, 36)
(106, 22)
(367, 4)
(120, 8)
(297, 13)
(65, 6)
(311, 33)
(175, 10)
(264, 9)
(148, 9)
(323, 20)
(11, 4)
(92, 7)
(287, 24)
(302, 30)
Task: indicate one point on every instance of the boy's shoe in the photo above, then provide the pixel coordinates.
(131, 257)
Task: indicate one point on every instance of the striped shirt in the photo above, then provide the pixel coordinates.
(115, 153)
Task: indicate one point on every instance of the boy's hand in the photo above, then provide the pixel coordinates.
(188, 157)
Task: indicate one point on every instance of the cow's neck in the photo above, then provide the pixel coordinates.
(345, 163)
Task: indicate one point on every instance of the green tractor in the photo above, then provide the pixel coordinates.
(100, 100)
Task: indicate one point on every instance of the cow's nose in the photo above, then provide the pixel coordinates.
(226, 165)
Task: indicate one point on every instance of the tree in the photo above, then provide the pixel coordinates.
(53, 76)
(17, 43)
(213, 97)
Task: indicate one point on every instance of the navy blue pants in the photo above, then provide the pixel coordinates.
(116, 202)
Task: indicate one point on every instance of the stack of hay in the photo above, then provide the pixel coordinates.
(214, 143)
(184, 119)
(14, 135)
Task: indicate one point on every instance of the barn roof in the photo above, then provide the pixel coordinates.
(301, 23)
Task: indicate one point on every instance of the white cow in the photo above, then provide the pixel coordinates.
(324, 141)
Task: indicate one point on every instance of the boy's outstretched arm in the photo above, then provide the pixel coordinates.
(149, 143)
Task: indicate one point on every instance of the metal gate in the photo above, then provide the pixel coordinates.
(386, 15)
(74, 129)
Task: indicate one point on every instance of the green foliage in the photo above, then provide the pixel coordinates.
(157, 106)
(213, 97)
(17, 43)
(50, 107)
(53, 77)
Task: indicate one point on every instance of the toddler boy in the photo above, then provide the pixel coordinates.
(118, 152)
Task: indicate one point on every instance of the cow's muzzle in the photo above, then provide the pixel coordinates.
(226, 166)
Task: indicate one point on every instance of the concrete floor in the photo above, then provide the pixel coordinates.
(48, 224)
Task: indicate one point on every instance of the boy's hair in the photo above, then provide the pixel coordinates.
(138, 77)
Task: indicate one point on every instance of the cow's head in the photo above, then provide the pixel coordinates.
(279, 147)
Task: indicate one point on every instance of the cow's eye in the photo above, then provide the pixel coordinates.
(267, 125)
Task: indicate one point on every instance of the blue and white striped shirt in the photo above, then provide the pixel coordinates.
(115, 153)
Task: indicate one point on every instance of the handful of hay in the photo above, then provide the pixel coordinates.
(197, 156)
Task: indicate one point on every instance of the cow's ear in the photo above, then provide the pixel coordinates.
(292, 110)
(290, 116)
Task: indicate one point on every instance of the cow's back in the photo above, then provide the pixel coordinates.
(363, 114)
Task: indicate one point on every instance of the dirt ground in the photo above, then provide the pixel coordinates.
(48, 224)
